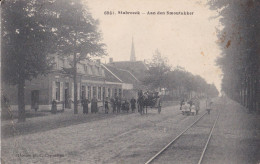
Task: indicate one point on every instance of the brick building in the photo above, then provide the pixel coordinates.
(94, 79)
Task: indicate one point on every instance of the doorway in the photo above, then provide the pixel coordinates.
(35, 99)
(67, 95)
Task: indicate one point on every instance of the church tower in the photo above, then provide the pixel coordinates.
(132, 57)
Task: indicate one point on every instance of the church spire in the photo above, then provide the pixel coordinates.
(132, 57)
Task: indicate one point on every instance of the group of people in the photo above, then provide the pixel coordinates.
(190, 107)
(116, 103)
(93, 106)
(119, 104)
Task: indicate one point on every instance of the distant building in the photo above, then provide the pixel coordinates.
(137, 68)
(121, 79)
(129, 82)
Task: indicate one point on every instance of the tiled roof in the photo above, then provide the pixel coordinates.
(109, 75)
(124, 75)
(137, 68)
(93, 78)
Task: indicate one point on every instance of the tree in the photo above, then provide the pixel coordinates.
(25, 45)
(77, 36)
(157, 73)
(240, 50)
(185, 82)
(212, 91)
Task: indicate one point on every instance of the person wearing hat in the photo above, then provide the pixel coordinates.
(106, 105)
(94, 105)
(132, 102)
(85, 103)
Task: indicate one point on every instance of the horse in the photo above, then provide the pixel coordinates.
(146, 101)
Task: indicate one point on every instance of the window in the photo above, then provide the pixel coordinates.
(104, 93)
(119, 92)
(58, 91)
(115, 92)
(67, 95)
(83, 92)
(94, 91)
(99, 93)
(109, 92)
(89, 92)
(35, 99)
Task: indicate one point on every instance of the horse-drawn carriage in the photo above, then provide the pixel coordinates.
(148, 99)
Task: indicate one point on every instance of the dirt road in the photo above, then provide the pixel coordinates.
(128, 138)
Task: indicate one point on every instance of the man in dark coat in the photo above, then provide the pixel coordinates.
(127, 105)
(113, 103)
(85, 103)
(106, 105)
(118, 104)
(94, 105)
(53, 107)
(132, 102)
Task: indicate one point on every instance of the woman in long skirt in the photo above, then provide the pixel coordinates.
(85, 103)
(94, 105)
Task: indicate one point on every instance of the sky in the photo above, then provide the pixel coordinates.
(189, 41)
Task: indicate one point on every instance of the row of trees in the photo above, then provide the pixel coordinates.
(239, 40)
(161, 75)
(31, 30)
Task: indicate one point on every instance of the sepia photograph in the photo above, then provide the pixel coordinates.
(130, 81)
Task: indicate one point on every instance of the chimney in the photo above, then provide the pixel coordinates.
(98, 61)
(110, 60)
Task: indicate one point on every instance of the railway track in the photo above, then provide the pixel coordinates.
(171, 143)
(135, 129)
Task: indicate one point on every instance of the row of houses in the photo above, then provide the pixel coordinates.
(94, 79)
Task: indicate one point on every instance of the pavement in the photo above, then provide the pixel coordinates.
(129, 138)
(47, 121)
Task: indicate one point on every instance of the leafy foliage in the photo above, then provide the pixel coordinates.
(25, 41)
(160, 75)
(157, 73)
(77, 35)
(31, 30)
(179, 78)
(240, 58)
(76, 30)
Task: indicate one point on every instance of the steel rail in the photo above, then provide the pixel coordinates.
(206, 145)
(169, 144)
